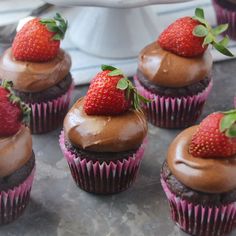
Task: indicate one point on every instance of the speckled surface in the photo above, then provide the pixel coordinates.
(58, 207)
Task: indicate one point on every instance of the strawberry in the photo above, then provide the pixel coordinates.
(111, 93)
(190, 36)
(39, 39)
(215, 136)
(12, 111)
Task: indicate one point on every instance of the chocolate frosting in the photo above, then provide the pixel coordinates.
(209, 175)
(34, 76)
(15, 151)
(104, 133)
(166, 69)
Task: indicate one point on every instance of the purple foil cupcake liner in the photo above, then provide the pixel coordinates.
(14, 201)
(103, 178)
(201, 220)
(168, 112)
(47, 116)
(226, 16)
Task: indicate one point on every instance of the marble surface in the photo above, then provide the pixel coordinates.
(58, 207)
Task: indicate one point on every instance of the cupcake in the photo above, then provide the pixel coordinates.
(17, 161)
(199, 176)
(104, 134)
(175, 72)
(40, 71)
(226, 14)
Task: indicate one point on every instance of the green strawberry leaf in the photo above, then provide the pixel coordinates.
(200, 31)
(228, 123)
(220, 29)
(199, 12)
(107, 67)
(116, 72)
(208, 39)
(222, 49)
(225, 41)
(123, 84)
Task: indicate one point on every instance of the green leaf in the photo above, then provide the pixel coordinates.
(227, 121)
(107, 67)
(222, 49)
(116, 72)
(208, 39)
(122, 84)
(200, 31)
(199, 12)
(203, 21)
(224, 41)
(220, 29)
(57, 37)
(231, 133)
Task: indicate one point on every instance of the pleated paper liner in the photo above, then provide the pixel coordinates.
(168, 112)
(14, 201)
(226, 16)
(106, 177)
(47, 116)
(199, 220)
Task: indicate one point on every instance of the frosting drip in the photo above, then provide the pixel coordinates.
(208, 175)
(166, 69)
(15, 151)
(34, 76)
(105, 133)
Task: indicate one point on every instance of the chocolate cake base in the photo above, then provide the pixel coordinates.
(173, 92)
(47, 94)
(102, 173)
(19, 176)
(99, 156)
(193, 196)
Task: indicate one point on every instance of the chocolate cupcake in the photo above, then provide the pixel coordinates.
(175, 72)
(226, 14)
(40, 71)
(199, 176)
(17, 162)
(104, 137)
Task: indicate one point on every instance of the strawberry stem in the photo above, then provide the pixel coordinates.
(58, 25)
(204, 30)
(26, 111)
(228, 123)
(126, 85)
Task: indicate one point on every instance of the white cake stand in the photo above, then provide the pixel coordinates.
(113, 28)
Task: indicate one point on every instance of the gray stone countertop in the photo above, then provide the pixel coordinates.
(59, 207)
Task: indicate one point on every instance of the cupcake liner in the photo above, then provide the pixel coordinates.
(47, 116)
(200, 220)
(103, 177)
(14, 201)
(226, 16)
(168, 112)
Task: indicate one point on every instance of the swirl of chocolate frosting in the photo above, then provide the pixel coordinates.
(209, 175)
(105, 133)
(34, 76)
(166, 69)
(15, 151)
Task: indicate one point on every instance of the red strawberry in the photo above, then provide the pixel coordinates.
(39, 40)
(179, 39)
(111, 93)
(190, 37)
(12, 112)
(103, 98)
(215, 136)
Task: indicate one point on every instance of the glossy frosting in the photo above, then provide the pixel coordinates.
(15, 151)
(105, 133)
(203, 174)
(166, 69)
(34, 76)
